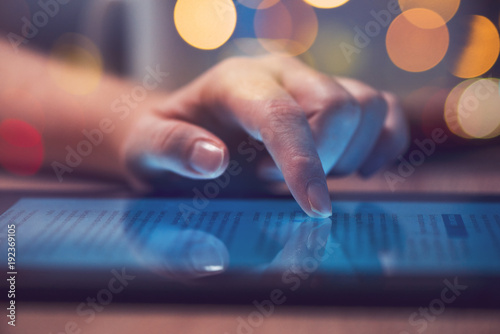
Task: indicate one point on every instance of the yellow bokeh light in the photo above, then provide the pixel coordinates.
(452, 108)
(287, 28)
(205, 24)
(76, 64)
(480, 113)
(444, 8)
(413, 48)
(481, 51)
(333, 50)
(326, 3)
(258, 4)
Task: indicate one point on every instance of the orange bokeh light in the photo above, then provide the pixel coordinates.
(326, 3)
(444, 8)
(287, 28)
(413, 48)
(205, 24)
(258, 4)
(481, 51)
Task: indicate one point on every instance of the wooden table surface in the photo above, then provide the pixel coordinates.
(470, 172)
(41, 318)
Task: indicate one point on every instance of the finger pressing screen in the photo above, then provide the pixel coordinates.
(267, 111)
(333, 113)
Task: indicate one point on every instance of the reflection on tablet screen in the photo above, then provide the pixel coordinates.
(177, 239)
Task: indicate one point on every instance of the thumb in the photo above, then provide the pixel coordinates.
(159, 145)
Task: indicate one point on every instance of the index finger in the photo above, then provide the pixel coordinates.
(268, 113)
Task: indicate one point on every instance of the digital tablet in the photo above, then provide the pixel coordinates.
(372, 251)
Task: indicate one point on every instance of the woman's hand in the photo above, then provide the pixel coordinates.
(310, 124)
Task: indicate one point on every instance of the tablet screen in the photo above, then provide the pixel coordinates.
(183, 237)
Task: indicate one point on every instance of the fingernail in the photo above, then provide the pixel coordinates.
(319, 199)
(206, 258)
(206, 158)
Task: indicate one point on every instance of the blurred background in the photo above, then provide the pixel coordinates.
(439, 57)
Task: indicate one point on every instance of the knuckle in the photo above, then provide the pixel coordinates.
(288, 61)
(374, 102)
(233, 62)
(299, 163)
(283, 108)
(282, 113)
(229, 65)
(328, 95)
(390, 98)
(393, 102)
(335, 101)
(165, 136)
(278, 60)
